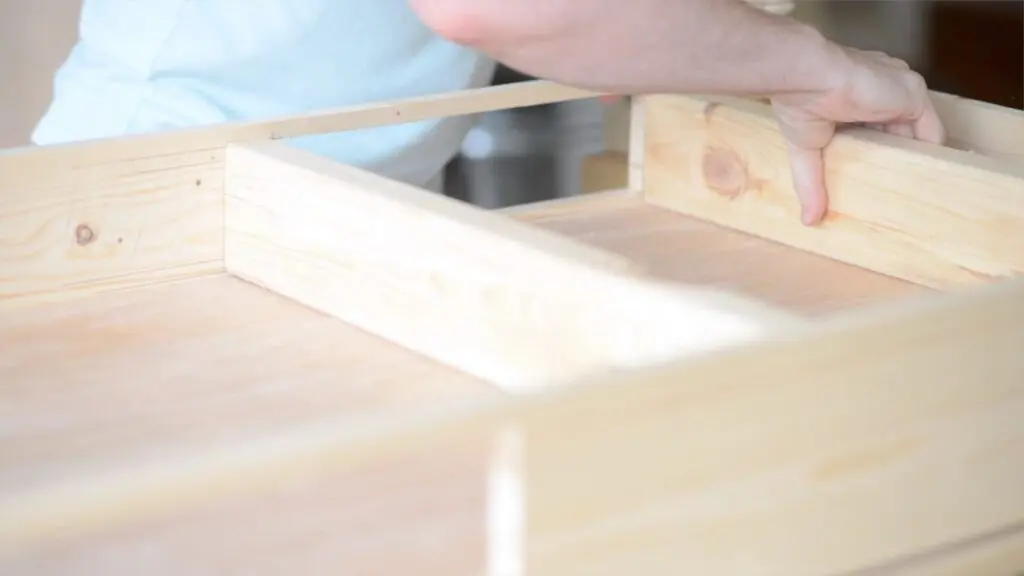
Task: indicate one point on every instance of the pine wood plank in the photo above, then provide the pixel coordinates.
(932, 215)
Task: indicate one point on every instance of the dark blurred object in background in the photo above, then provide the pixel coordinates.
(976, 49)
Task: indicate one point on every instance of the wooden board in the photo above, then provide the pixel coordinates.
(97, 216)
(897, 206)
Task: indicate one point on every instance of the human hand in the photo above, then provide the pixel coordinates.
(872, 89)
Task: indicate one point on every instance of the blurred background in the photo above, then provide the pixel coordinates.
(973, 48)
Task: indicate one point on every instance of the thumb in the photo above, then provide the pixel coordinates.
(806, 138)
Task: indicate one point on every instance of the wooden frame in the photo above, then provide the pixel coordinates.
(700, 384)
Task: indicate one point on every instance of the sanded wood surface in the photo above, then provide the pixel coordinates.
(684, 249)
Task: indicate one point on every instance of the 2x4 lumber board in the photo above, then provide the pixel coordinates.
(928, 214)
(493, 297)
(217, 136)
(70, 229)
(865, 440)
(109, 214)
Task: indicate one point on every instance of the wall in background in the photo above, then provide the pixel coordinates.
(35, 37)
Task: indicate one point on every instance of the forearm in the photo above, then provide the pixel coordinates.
(644, 46)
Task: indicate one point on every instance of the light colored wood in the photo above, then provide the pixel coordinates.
(215, 137)
(981, 127)
(216, 350)
(933, 215)
(997, 554)
(67, 232)
(252, 428)
(867, 441)
(505, 302)
(125, 379)
(679, 248)
(105, 215)
(857, 443)
(413, 515)
(971, 125)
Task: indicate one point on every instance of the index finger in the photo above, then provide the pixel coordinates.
(808, 167)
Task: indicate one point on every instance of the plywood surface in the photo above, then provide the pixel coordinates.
(684, 249)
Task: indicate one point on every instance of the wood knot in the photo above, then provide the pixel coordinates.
(84, 235)
(725, 173)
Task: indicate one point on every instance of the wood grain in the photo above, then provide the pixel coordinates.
(68, 231)
(932, 215)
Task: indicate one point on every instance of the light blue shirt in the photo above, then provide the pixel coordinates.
(147, 65)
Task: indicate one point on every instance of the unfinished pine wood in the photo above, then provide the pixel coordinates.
(997, 554)
(867, 440)
(104, 215)
(679, 248)
(424, 514)
(127, 376)
(981, 127)
(880, 436)
(213, 351)
(505, 302)
(70, 229)
(933, 215)
(971, 125)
